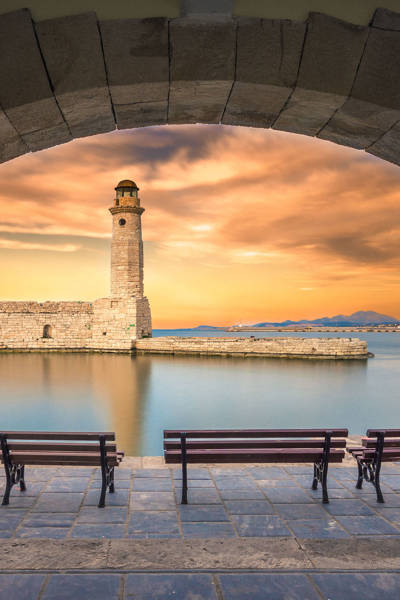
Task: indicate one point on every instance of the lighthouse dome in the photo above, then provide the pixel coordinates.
(127, 183)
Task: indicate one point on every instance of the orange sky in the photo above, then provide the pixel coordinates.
(241, 225)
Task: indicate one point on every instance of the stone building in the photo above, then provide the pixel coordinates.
(107, 324)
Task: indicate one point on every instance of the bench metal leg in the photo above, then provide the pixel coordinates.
(111, 486)
(22, 485)
(315, 480)
(325, 498)
(184, 499)
(360, 476)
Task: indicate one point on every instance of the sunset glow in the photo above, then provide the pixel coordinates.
(240, 225)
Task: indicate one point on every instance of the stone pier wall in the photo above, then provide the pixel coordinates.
(285, 347)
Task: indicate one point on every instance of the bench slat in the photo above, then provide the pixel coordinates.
(254, 433)
(253, 455)
(387, 432)
(71, 436)
(49, 457)
(61, 447)
(215, 444)
(388, 443)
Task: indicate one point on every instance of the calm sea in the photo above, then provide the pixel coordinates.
(139, 397)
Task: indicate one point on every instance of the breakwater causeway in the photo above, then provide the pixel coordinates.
(276, 347)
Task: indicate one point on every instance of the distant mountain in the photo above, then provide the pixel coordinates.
(361, 318)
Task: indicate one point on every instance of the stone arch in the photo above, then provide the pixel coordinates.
(48, 331)
(73, 76)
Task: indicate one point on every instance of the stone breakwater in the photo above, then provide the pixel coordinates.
(284, 347)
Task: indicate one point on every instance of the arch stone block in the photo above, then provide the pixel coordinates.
(202, 68)
(11, 144)
(25, 93)
(374, 104)
(71, 48)
(137, 62)
(331, 55)
(267, 63)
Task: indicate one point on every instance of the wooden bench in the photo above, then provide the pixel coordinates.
(257, 446)
(20, 448)
(380, 445)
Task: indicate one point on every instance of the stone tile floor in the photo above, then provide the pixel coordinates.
(201, 586)
(61, 503)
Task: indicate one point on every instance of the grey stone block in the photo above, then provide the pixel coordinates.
(71, 48)
(374, 105)
(25, 94)
(354, 586)
(259, 586)
(267, 63)
(331, 55)
(11, 143)
(386, 19)
(137, 62)
(99, 586)
(172, 585)
(202, 69)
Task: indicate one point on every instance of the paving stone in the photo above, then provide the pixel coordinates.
(21, 501)
(316, 528)
(151, 473)
(95, 530)
(298, 470)
(152, 501)
(195, 483)
(300, 511)
(75, 471)
(229, 472)
(42, 532)
(207, 530)
(260, 526)
(357, 586)
(202, 513)
(343, 473)
(121, 484)
(391, 501)
(108, 514)
(373, 525)
(265, 586)
(6, 533)
(153, 522)
(21, 586)
(268, 473)
(348, 507)
(332, 493)
(82, 587)
(277, 483)
(10, 521)
(162, 586)
(249, 507)
(151, 485)
(32, 489)
(120, 474)
(234, 483)
(118, 498)
(201, 496)
(40, 473)
(393, 481)
(58, 502)
(391, 514)
(306, 481)
(281, 496)
(68, 484)
(192, 474)
(367, 488)
(49, 520)
(253, 494)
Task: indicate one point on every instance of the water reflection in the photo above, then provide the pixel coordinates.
(138, 397)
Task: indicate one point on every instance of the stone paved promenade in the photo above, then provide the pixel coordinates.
(224, 502)
(248, 533)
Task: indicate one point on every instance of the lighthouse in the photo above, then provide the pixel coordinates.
(127, 243)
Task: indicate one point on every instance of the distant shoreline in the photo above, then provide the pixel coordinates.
(315, 329)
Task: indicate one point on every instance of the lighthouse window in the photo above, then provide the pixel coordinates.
(122, 222)
(47, 331)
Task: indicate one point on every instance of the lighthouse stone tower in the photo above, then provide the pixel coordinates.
(125, 316)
